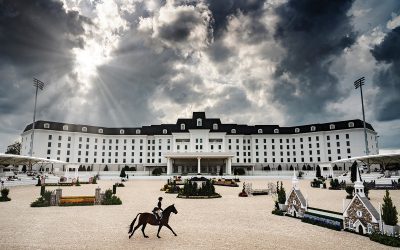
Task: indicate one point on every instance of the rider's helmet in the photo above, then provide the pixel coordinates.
(159, 198)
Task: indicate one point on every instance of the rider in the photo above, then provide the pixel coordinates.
(157, 211)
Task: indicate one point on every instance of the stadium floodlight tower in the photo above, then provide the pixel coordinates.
(38, 85)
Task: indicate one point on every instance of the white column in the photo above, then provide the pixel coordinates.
(198, 165)
(228, 166)
(169, 168)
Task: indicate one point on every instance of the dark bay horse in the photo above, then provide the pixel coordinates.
(149, 218)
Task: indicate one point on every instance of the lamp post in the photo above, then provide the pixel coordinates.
(38, 85)
(358, 84)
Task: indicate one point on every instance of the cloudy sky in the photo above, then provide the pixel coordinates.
(142, 62)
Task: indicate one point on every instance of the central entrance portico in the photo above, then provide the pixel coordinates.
(199, 162)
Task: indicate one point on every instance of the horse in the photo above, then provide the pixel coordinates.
(149, 218)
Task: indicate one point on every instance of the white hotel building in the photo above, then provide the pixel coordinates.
(199, 145)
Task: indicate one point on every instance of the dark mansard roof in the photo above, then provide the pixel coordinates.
(207, 123)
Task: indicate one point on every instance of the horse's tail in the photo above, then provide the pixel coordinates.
(133, 223)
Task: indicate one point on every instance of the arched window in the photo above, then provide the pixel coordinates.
(182, 126)
(84, 129)
(121, 131)
(260, 131)
(332, 126)
(46, 125)
(313, 128)
(276, 131)
(296, 130)
(65, 127)
(138, 131)
(164, 131)
(199, 122)
(233, 131)
(351, 124)
(359, 213)
(215, 126)
(100, 130)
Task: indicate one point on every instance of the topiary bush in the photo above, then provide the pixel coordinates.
(334, 184)
(157, 171)
(42, 201)
(4, 195)
(349, 191)
(239, 171)
(110, 199)
(281, 195)
(105, 168)
(389, 211)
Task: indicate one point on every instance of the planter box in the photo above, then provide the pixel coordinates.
(390, 230)
(282, 207)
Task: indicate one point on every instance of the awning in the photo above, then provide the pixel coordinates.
(383, 159)
(10, 159)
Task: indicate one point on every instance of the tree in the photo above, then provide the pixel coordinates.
(318, 172)
(281, 195)
(389, 211)
(353, 174)
(349, 191)
(24, 168)
(335, 168)
(106, 168)
(122, 174)
(279, 167)
(14, 148)
(221, 171)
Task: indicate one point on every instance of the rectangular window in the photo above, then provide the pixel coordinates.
(347, 136)
(87, 139)
(49, 144)
(338, 150)
(338, 144)
(317, 138)
(69, 138)
(347, 143)
(50, 137)
(348, 151)
(48, 151)
(328, 137)
(80, 139)
(337, 137)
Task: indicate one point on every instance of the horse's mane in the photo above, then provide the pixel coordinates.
(168, 209)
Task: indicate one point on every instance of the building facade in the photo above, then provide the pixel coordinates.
(198, 144)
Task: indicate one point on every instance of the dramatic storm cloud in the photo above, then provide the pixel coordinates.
(314, 33)
(136, 62)
(388, 79)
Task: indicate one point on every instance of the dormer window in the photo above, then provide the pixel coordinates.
(164, 131)
(359, 214)
(332, 126)
(199, 122)
(260, 131)
(351, 124)
(138, 131)
(100, 130)
(276, 131)
(215, 126)
(233, 131)
(313, 128)
(46, 125)
(65, 127)
(84, 129)
(182, 126)
(296, 130)
(121, 131)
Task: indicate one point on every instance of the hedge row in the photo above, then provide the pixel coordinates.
(385, 239)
